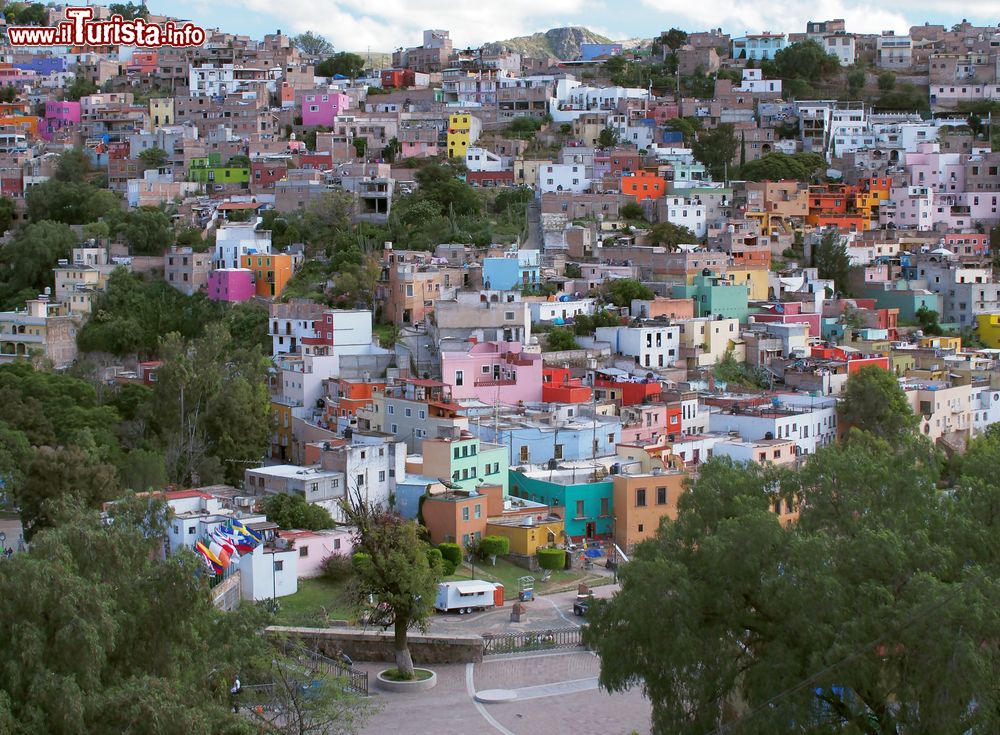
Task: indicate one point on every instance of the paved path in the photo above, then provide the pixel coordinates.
(557, 693)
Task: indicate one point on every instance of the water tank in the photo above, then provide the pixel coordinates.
(553, 464)
(616, 468)
(348, 432)
(768, 436)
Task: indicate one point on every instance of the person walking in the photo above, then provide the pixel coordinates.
(234, 694)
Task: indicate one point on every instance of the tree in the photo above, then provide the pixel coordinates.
(851, 621)
(148, 644)
(632, 210)
(26, 14)
(15, 456)
(904, 98)
(154, 157)
(831, 258)
(74, 202)
(716, 148)
(804, 60)
(856, 78)
(439, 184)
(524, 127)
(674, 39)
(490, 547)
(686, 126)
(292, 512)
(886, 81)
(552, 559)
(146, 230)
(608, 137)
(452, 554)
(345, 64)
(143, 470)
(928, 319)
(782, 166)
(81, 87)
(670, 235)
(7, 211)
(394, 568)
(58, 476)
(621, 291)
(26, 262)
(874, 402)
(129, 10)
(313, 44)
(561, 339)
(391, 150)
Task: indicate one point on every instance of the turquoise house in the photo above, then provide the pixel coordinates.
(584, 503)
(716, 296)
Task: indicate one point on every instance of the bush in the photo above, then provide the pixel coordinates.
(452, 555)
(552, 558)
(337, 567)
(494, 546)
(435, 559)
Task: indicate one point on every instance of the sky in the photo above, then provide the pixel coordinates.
(384, 25)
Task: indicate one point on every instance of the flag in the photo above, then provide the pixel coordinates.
(227, 543)
(246, 540)
(220, 553)
(210, 561)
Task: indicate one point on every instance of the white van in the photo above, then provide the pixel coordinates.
(464, 597)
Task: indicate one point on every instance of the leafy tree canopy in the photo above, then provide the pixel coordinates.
(780, 166)
(803, 60)
(621, 291)
(293, 512)
(313, 44)
(343, 63)
(874, 402)
(26, 263)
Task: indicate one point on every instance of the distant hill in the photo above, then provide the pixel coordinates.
(562, 43)
(379, 59)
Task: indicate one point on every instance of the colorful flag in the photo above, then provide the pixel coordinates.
(245, 539)
(227, 543)
(210, 560)
(216, 548)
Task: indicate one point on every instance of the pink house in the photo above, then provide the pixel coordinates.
(967, 243)
(790, 312)
(494, 371)
(322, 108)
(315, 546)
(58, 115)
(231, 284)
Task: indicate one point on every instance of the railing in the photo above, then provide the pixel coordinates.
(354, 680)
(536, 640)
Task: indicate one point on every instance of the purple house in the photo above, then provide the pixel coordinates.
(231, 284)
(322, 108)
(43, 65)
(58, 115)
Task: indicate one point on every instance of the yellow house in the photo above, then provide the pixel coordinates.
(704, 341)
(161, 112)
(463, 131)
(281, 439)
(989, 330)
(754, 278)
(942, 343)
(525, 539)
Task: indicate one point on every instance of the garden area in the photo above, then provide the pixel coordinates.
(318, 603)
(508, 575)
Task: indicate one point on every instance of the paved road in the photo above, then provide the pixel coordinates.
(534, 241)
(557, 694)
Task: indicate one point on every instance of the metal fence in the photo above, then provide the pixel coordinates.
(354, 680)
(533, 640)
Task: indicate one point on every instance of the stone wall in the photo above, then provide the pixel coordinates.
(376, 645)
(226, 595)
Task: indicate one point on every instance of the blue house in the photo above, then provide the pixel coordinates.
(759, 46)
(518, 268)
(532, 442)
(591, 51)
(581, 497)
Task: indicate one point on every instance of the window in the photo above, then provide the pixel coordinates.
(605, 507)
(381, 475)
(313, 487)
(508, 316)
(661, 496)
(640, 497)
(303, 551)
(557, 451)
(579, 509)
(459, 377)
(336, 543)
(465, 513)
(190, 529)
(392, 410)
(408, 412)
(279, 566)
(478, 511)
(361, 480)
(640, 528)
(486, 369)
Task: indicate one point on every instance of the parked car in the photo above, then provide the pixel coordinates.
(582, 605)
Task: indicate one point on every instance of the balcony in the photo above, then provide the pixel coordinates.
(491, 382)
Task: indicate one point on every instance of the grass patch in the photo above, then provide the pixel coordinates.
(418, 675)
(318, 602)
(508, 574)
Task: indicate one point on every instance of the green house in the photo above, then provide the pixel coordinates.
(584, 502)
(716, 296)
(209, 170)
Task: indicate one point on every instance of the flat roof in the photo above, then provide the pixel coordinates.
(294, 470)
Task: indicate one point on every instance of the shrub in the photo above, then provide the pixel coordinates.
(494, 546)
(552, 558)
(337, 567)
(435, 559)
(452, 554)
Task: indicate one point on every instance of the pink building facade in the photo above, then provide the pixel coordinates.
(315, 547)
(494, 371)
(322, 108)
(231, 284)
(58, 115)
(791, 313)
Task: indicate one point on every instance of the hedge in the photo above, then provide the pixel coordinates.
(552, 558)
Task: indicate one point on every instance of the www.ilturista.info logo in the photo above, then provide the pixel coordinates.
(81, 30)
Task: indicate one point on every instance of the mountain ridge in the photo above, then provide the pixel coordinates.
(561, 43)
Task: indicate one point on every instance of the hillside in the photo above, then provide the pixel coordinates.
(562, 43)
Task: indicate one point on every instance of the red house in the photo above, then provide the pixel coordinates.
(559, 387)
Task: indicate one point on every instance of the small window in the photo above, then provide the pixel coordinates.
(279, 566)
(661, 496)
(640, 497)
(381, 475)
(465, 514)
(459, 377)
(303, 551)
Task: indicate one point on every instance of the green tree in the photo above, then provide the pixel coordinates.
(344, 63)
(804, 60)
(81, 87)
(716, 148)
(524, 127)
(292, 512)
(129, 11)
(154, 157)
(71, 202)
(58, 476)
(849, 621)
(632, 210)
(394, 568)
(148, 645)
(490, 547)
(561, 339)
(886, 81)
(928, 319)
(146, 230)
(674, 39)
(873, 402)
(608, 137)
(143, 470)
(830, 256)
(313, 44)
(439, 184)
(391, 150)
(670, 235)
(26, 263)
(621, 291)
(7, 212)
(686, 126)
(782, 166)
(15, 456)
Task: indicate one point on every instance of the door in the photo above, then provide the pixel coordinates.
(591, 529)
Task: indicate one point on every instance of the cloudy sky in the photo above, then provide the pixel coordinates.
(383, 25)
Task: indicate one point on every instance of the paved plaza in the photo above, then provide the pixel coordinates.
(556, 694)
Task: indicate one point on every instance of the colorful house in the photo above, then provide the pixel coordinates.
(463, 131)
(643, 185)
(58, 115)
(559, 387)
(209, 170)
(459, 516)
(271, 273)
(581, 496)
(989, 330)
(494, 372)
(641, 499)
(322, 108)
(230, 284)
(716, 296)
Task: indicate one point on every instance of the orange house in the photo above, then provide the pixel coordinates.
(27, 124)
(459, 516)
(641, 500)
(349, 396)
(559, 387)
(643, 185)
(271, 273)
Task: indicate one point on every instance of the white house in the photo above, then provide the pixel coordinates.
(690, 213)
(269, 571)
(549, 311)
(985, 408)
(233, 240)
(754, 83)
(480, 159)
(809, 421)
(652, 345)
(194, 514)
(563, 177)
